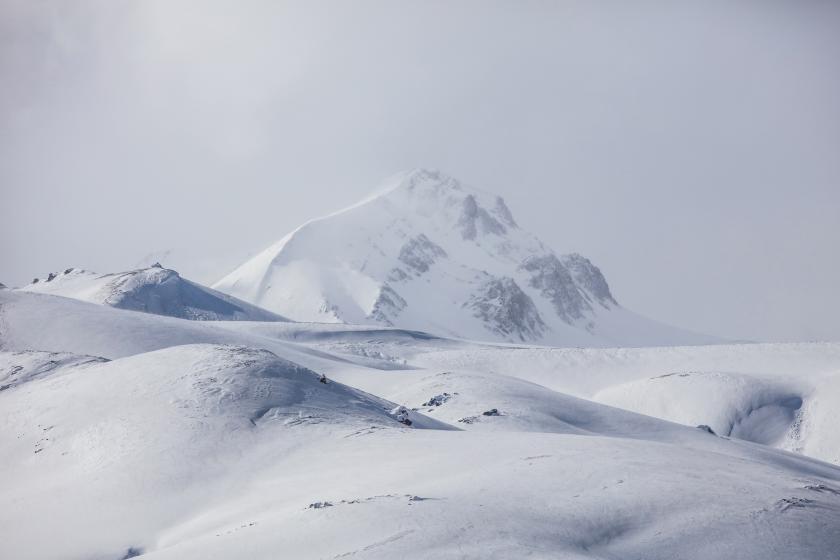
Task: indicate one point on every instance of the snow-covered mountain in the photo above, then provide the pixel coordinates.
(432, 254)
(152, 290)
(184, 439)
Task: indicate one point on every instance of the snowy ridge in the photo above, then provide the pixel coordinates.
(152, 290)
(427, 247)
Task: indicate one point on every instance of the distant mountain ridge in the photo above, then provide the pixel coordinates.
(155, 290)
(429, 253)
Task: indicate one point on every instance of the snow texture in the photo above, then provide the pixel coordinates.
(131, 434)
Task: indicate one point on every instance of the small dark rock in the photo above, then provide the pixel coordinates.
(491, 412)
(319, 505)
(706, 428)
(438, 400)
(793, 502)
(401, 415)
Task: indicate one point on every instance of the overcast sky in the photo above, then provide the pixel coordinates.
(691, 150)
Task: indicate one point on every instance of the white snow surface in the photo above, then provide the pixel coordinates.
(431, 254)
(152, 290)
(128, 433)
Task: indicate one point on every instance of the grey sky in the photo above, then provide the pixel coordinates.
(691, 150)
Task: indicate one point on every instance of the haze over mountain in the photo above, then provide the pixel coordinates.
(430, 253)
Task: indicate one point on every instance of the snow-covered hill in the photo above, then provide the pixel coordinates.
(152, 290)
(129, 433)
(431, 254)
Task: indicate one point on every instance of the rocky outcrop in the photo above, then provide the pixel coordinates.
(589, 278)
(556, 283)
(419, 253)
(506, 310)
(474, 220)
(501, 210)
(388, 306)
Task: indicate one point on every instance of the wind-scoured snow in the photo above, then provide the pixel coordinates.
(246, 439)
(431, 254)
(152, 290)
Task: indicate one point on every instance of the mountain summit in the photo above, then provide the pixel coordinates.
(432, 254)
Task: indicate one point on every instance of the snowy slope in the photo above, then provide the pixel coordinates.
(152, 290)
(789, 391)
(149, 437)
(424, 494)
(431, 254)
(785, 395)
(216, 439)
(219, 452)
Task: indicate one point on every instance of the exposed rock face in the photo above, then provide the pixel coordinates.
(475, 219)
(418, 253)
(589, 278)
(506, 310)
(555, 283)
(388, 306)
(501, 210)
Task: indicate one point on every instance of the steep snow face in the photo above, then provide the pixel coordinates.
(431, 254)
(151, 290)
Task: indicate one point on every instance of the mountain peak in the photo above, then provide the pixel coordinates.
(429, 253)
(422, 178)
(435, 195)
